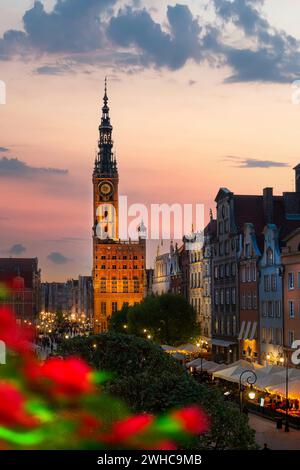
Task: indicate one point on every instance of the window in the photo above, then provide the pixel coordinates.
(270, 309)
(136, 285)
(221, 249)
(243, 274)
(264, 309)
(102, 266)
(125, 304)
(124, 266)
(114, 266)
(272, 338)
(227, 270)
(233, 299)
(274, 282)
(103, 308)
(270, 257)
(226, 247)
(221, 228)
(291, 337)
(216, 272)
(114, 285)
(267, 283)
(233, 269)
(248, 274)
(221, 271)
(228, 326)
(254, 300)
(135, 257)
(247, 250)
(125, 284)
(291, 309)
(114, 257)
(103, 257)
(278, 336)
(277, 308)
(254, 273)
(249, 301)
(243, 301)
(103, 285)
(124, 257)
(135, 266)
(216, 297)
(264, 335)
(291, 284)
(227, 296)
(114, 307)
(222, 297)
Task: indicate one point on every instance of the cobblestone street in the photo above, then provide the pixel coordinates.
(276, 439)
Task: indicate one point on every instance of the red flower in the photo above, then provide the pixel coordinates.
(192, 419)
(16, 337)
(129, 428)
(163, 445)
(69, 377)
(12, 408)
(89, 425)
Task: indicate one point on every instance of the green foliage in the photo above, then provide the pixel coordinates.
(150, 380)
(119, 319)
(168, 319)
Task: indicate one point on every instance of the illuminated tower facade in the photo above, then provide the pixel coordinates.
(119, 272)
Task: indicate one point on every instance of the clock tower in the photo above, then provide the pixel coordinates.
(118, 266)
(106, 180)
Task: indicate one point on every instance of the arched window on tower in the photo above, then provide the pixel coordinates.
(270, 257)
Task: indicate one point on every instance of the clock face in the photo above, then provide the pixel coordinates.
(106, 188)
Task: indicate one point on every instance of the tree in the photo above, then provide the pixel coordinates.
(119, 319)
(167, 319)
(149, 380)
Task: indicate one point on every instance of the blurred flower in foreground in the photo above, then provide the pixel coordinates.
(69, 377)
(57, 404)
(12, 408)
(18, 338)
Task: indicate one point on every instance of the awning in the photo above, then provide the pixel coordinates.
(248, 330)
(222, 343)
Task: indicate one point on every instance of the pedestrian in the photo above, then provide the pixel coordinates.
(265, 446)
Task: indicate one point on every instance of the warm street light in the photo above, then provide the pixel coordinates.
(251, 379)
(252, 393)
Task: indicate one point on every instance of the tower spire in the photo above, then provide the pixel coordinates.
(106, 164)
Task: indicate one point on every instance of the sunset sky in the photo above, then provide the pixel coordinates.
(200, 97)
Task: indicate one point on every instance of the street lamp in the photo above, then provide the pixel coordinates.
(251, 379)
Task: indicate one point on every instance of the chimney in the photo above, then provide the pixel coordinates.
(297, 178)
(268, 204)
